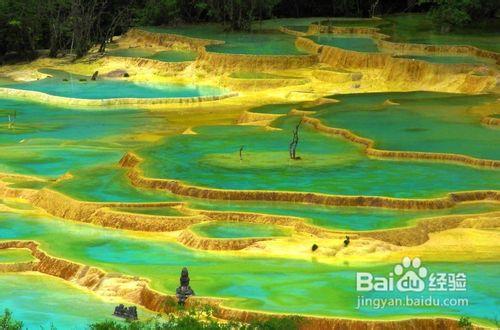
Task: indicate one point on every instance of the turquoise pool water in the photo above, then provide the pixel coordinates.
(280, 285)
(346, 218)
(237, 230)
(347, 41)
(257, 43)
(419, 28)
(41, 301)
(50, 141)
(423, 121)
(165, 56)
(329, 165)
(110, 89)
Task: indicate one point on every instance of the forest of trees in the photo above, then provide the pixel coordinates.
(75, 26)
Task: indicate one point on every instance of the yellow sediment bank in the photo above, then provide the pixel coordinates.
(400, 70)
(222, 62)
(292, 32)
(102, 214)
(192, 240)
(419, 233)
(490, 121)
(225, 62)
(105, 215)
(167, 40)
(257, 119)
(332, 76)
(68, 101)
(409, 155)
(259, 84)
(138, 291)
(147, 63)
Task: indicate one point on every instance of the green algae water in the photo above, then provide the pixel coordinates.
(15, 255)
(257, 43)
(346, 41)
(271, 284)
(329, 165)
(164, 56)
(111, 89)
(43, 301)
(345, 218)
(237, 230)
(418, 28)
(418, 121)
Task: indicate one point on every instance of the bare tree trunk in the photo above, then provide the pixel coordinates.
(292, 149)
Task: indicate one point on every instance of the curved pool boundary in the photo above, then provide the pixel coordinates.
(383, 42)
(370, 150)
(402, 70)
(138, 291)
(68, 101)
(131, 161)
(103, 214)
(223, 62)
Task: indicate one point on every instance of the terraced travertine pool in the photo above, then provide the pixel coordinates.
(346, 41)
(76, 152)
(419, 29)
(268, 42)
(45, 301)
(260, 283)
(84, 88)
(164, 56)
(328, 165)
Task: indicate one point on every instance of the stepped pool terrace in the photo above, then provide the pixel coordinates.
(255, 283)
(347, 41)
(402, 121)
(418, 28)
(258, 43)
(84, 88)
(395, 158)
(328, 165)
(164, 56)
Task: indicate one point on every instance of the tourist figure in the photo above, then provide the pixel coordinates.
(184, 290)
(347, 241)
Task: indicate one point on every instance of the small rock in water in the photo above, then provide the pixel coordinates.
(117, 74)
(129, 313)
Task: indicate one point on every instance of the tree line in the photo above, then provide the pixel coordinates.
(63, 26)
